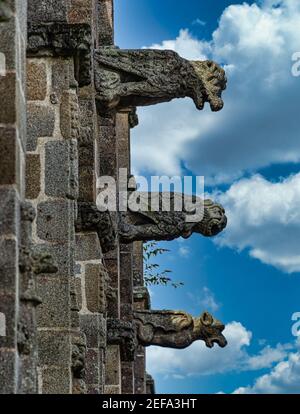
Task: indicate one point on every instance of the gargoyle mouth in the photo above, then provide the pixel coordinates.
(216, 226)
(221, 341)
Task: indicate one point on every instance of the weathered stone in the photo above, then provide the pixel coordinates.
(7, 308)
(69, 115)
(121, 332)
(36, 81)
(54, 346)
(63, 40)
(91, 219)
(150, 385)
(33, 176)
(8, 89)
(53, 221)
(87, 247)
(41, 121)
(7, 39)
(177, 329)
(62, 76)
(9, 212)
(81, 11)
(93, 326)
(8, 265)
(56, 380)
(47, 11)
(92, 366)
(112, 372)
(8, 362)
(164, 223)
(129, 78)
(54, 311)
(96, 281)
(61, 169)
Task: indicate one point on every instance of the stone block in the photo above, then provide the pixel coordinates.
(112, 371)
(7, 42)
(112, 389)
(8, 265)
(61, 169)
(87, 247)
(94, 288)
(56, 380)
(92, 366)
(93, 326)
(54, 221)
(54, 311)
(36, 81)
(8, 90)
(47, 11)
(69, 115)
(81, 11)
(78, 291)
(33, 176)
(9, 212)
(62, 76)
(8, 308)
(8, 361)
(41, 121)
(54, 347)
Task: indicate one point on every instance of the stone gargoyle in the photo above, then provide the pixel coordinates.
(145, 225)
(177, 329)
(128, 78)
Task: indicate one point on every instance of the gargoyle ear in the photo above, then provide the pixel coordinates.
(206, 319)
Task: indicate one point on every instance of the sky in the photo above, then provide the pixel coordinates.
(249, 154)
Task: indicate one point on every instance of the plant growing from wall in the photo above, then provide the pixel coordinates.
(153, 275)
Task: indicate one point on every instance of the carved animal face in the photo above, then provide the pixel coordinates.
(214, 83)
(214, 220)
(211, 331)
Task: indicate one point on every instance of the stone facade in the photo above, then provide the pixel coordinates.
(72, 295)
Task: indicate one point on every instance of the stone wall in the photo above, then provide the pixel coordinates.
(57, 287)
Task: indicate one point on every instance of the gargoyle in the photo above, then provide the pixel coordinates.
(91, 219)
(145, 225)
(177, 329)
(128, 78)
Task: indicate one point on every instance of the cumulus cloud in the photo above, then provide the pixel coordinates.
(198, 360)
(263, 217)
(284, 378)
(259, 123)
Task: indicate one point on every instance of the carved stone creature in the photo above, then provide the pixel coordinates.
(177, 329)
(91, 219)
(128, 78)
(145, 225)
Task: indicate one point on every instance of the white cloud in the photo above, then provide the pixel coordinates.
(205, 299)
(199, 22)
(259, 123)
(263, 217)
(198, 360)
(284, 378)
(184, 251)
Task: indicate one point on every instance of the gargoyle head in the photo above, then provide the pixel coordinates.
(211, 330)
(214, 82)
(214, 220)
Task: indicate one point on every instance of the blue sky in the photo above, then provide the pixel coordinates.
(249, 154)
